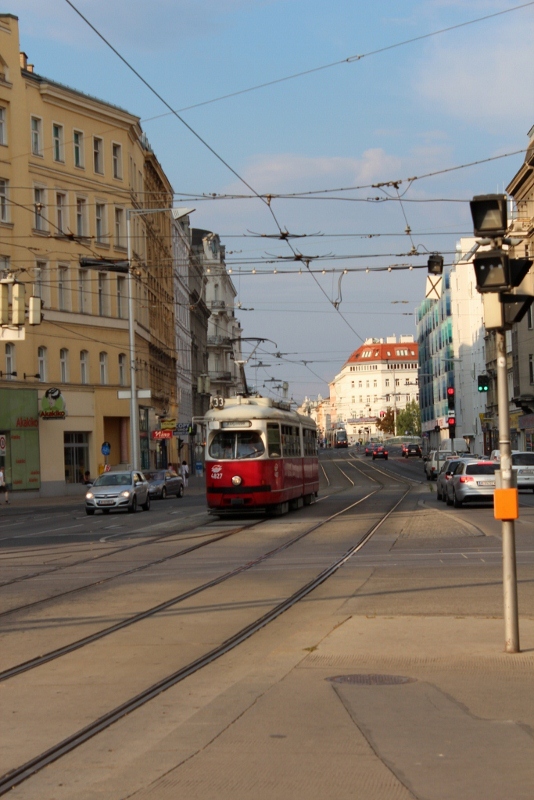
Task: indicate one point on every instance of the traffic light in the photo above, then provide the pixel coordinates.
(489, 215)
(483, 383)
(35, 315)
(435, 264)
(18, 305)
(4, 304)
(452, 427)
(450, 400)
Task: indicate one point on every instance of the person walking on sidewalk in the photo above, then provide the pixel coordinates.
(184, 472)
(3, 485)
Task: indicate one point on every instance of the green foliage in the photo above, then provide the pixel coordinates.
(386, 424)
(409, 420)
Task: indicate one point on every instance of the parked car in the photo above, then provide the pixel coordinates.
(472, 479)
(496, 454)
(114, 490)
(163, 482)
(523, 466)
(380, 452)
(434, 463)
(443, 476)
(409, 450)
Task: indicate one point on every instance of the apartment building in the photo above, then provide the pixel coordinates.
(72, 170)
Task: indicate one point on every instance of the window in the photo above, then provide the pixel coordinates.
(41, 287)
(57, 142)
(360, 384)
(120, 240)
(375, 384)
(122, 298)
(117, 160)
(39, 201)
(64, 365)
(63, 288)
(61, 210)
(122, 369)
(103, 368)
(4, 208)
(78, 148)
(10, 361)
(100, 215)
(37, 136)
(81, 220)
(76, 449)
(84, 366)
(83, 280)
(42, 363)
(98, 155)
(102, 294)
(3, 126)
(387, 381)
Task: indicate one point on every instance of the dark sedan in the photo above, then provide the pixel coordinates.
(380, 452)
(163, 482)
(370, 447)
(411, 450)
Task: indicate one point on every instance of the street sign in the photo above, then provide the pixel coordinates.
(182, 427)
(3, 445)
(106, 449)
(159, 435)
(142, 394)
(434, 286)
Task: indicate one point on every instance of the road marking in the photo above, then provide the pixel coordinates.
(40, 533)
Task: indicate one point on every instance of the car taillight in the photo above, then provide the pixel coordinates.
(466, 479)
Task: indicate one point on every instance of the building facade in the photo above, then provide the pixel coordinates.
(71, 168)
(382, 374)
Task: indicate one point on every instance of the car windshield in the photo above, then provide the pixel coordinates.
(481, 469)
(237, 444)
(155, 476)
(114, 479)
(523, 460)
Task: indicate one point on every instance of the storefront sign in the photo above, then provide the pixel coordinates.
(159, 435)
(167, 424)
(53, 405)
(27, 422)
(3, 445)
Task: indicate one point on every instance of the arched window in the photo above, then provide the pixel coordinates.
(103, 368)
(64, 365)
(10, 361)
(84, 366)
(42, 365)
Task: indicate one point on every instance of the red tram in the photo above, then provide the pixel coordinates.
(260, 455)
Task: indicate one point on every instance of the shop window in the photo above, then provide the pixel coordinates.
(76, 446)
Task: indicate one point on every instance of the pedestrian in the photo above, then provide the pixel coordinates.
(87, 477)
(184, 471)
(3, 485)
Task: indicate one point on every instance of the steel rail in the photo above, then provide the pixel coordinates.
(34, 765)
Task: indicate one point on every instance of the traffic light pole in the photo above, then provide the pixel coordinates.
(511, 613)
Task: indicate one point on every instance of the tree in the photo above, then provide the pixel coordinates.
(409, 420)
(386, 424)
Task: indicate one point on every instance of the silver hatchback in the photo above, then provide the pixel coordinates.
(523, 466)
(472, 480)
(114, 490)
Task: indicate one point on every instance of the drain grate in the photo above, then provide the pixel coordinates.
(371, 680)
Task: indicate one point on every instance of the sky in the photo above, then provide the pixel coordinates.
(403, 109)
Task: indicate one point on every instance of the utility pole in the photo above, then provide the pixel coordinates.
(507, 289)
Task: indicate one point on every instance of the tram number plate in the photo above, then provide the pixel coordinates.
(486, 483)
(106, 502)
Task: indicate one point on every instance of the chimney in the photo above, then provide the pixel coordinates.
(23, 61)
(30, 67)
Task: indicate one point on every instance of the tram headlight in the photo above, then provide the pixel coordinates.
(236, 480)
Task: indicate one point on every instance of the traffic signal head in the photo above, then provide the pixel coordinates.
(492, 271)
(450, 398)
(489, 215)
(483, 383)
(435, 264)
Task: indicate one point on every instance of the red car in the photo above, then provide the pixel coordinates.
(380, 452)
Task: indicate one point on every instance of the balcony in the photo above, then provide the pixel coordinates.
(220, 341)
(221, 377)
(218, 305)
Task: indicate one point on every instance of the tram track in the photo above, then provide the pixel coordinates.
(16, 776)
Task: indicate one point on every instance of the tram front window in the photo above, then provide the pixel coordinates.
(237, 444)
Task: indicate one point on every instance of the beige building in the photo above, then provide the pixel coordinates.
(72, 169)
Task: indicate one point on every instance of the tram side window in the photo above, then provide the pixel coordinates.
(290, 441)
(310, 442)
(273, 440)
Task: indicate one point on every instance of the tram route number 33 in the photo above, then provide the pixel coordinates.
(216, 472)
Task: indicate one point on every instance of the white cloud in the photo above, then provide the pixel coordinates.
(482, 79)
(126, 22)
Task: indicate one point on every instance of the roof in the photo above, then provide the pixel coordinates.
(371, 353)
